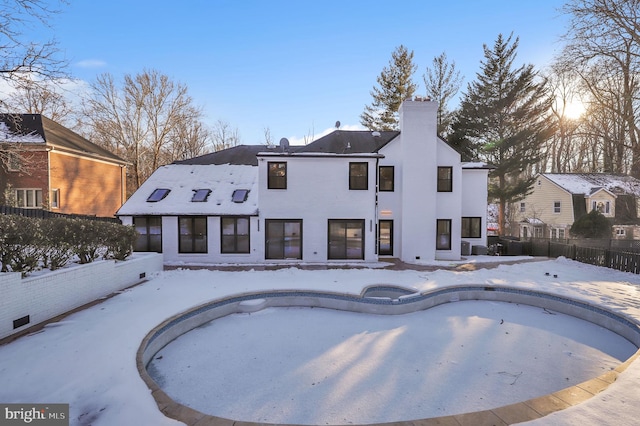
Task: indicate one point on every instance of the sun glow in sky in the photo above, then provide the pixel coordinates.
(574, 109)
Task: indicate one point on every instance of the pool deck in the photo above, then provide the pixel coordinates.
(536, 408)
(559, 405)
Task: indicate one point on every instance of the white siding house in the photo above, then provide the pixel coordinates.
(350, 196)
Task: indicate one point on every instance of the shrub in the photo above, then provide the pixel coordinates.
(119, 240)
(87, 242)
(591, 225)
(21, 247)
(28, 243)
(57, 242)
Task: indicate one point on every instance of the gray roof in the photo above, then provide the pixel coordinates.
(56, 135)
(349, 142)
(337, 142)
(241, 155)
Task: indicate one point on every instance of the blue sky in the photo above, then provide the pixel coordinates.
(295, 67)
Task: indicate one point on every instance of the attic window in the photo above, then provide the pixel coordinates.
(240, 195)
(200, 195)
(158, 194)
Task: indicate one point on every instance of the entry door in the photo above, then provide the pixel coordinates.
(385, 237)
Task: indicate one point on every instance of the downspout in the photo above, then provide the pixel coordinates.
(123, 183)
(376, 207)
(48, 195)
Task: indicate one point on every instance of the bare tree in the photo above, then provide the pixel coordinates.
(23, 58)
(141, 120)
(40, 98)
(311, 134)
(191, 138)
(559, 149)
(442, 82)
(604, 49)
(268, 139)
(224, 136)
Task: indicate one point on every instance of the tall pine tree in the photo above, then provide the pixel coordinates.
(442, 82)
(503, 120)
(395, 85)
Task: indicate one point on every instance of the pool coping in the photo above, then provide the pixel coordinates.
(531, 409)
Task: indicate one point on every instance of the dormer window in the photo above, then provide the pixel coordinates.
(240, 195)
(158, 194)
(603, 207)
(200, 195)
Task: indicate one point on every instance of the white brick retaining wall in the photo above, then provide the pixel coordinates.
(33, 300)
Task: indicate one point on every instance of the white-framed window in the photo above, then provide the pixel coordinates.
(556, 206)
(29, 198)
(554, 233)
(523, 207)
(55, 199)
(538, 232)
(561, 233)
(620, 232)
(603, 207)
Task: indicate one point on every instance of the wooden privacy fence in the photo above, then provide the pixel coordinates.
(626, 260)
(45, 214)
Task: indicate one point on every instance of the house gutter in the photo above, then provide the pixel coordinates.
(319, 155)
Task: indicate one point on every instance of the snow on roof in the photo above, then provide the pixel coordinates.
(533, 221)
(6, 135)
(588, 183)
(476, 165)
(183, 180)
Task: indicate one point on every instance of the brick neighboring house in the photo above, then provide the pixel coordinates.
(558, 199)
(50, 167)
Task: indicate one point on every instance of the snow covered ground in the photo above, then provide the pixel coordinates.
(320, 366)
(88, 359)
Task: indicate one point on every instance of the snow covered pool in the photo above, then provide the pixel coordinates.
(306, 365)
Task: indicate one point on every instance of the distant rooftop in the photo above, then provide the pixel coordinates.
(36, 128)
(588, 183)
(349, 142)
(337, 142)
(241, 155)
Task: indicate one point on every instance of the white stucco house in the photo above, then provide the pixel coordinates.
(350, 196)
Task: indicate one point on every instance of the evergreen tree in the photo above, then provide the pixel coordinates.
(442, 82)
(591, 225)
(503, 120)
(395, 85)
